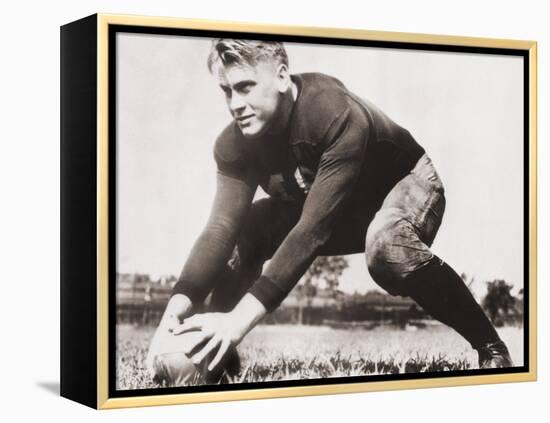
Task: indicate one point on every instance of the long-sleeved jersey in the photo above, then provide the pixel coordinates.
(338, 159)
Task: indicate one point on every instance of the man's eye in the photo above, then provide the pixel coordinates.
(245, 89)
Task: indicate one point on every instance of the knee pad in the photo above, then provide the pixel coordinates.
(394, 250)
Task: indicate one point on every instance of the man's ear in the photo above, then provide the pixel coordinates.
(283, 78)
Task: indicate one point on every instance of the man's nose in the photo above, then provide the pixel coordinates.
(236, 103)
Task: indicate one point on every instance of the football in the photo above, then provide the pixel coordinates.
(172, 367)
(175, 369)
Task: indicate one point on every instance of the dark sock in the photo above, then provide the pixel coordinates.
(439, 290)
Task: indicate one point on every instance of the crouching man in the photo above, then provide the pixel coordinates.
(342, 178)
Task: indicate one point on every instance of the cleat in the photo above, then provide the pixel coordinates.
(494, 355)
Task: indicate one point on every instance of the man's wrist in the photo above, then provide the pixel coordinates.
(247, 313)
(268, 293)
(178, 306)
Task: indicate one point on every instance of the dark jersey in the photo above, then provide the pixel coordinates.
(338, 159)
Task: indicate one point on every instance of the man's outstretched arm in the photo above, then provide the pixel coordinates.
(214, 246)
(209, 254)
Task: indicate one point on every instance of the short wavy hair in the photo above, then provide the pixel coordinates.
(245, 52)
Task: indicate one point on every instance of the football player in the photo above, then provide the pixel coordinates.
(342, 178)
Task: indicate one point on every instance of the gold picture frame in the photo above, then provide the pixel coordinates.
(86, 48)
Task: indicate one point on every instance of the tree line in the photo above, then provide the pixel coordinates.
(318, 299)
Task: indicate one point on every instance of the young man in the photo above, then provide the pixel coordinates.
(342, 178)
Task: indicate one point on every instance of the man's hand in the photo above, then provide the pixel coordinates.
(178, 308)
(220, 331)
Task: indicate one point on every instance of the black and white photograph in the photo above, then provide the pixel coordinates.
(294, 211)
(275, 212)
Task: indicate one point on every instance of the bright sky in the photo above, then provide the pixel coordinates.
(465, 109)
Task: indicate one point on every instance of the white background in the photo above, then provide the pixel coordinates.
(29, 171)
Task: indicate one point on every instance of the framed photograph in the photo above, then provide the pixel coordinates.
(257, 211)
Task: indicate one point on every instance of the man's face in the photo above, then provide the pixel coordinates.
(253, 94)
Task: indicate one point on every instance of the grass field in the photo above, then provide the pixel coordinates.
(290, 352)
